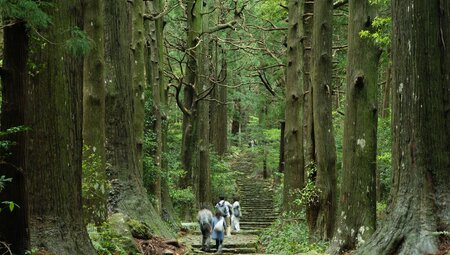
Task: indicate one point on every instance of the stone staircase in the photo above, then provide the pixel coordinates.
(258, 212)
(257, 203)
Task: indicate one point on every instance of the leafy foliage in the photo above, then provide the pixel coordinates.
(26, 10)
(78, 44)
(381, 34)
(223, 178)
(310, 193)
(94, 187)
(384, 156)
(106, 241)
(289, 236)
(6, 144)
(6, 204)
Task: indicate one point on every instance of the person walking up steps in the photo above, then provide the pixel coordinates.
(236, 211)
(204, 218)
(225, 208)
(219, 226)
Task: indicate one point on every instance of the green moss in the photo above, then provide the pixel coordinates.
(139, 229)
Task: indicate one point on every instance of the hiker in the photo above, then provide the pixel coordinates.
(225, 208)
(219, 226)
(236, 211)
(205, 218)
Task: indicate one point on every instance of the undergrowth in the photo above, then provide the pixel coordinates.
(289, 235)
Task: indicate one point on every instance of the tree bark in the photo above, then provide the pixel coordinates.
(420, 192)
(139, 77)
(50, 151)
(323, 212)
(154, 78)
(308, 89)
(357, 210)
(294, 159)
(128, 195)
(94, 99)
(218, 106)
(201, 168)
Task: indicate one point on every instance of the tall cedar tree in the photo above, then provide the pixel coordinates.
(200, 114)
(218, 106)
(48, 99)
(357, 211)
(322, 213)
(194, 28)
(294, 166)
(420, 191)
(154, 78)
(124, 167)
(94, 99)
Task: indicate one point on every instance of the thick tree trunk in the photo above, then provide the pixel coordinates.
(201, 168)
(357, 210)
(218, 106)
(94, 101)
(308, 95)
(139, 77)
(194, 28)
(50, 152)
(323, 212)
(153, 77)
(420, 190)
(294, 165)
(13, 229)
(309, 143)
(124, 169)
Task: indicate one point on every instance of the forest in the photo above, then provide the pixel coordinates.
(327, 121)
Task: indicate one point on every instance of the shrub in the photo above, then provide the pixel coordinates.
(289, 235)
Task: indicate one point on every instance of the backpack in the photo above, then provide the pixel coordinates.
(222, 208)
(236, 211)
(219, 226)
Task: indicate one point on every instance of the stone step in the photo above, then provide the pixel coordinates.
(245, 225)
(249, 219)
(241, 232)
(226, 250)
(229, 245)
(258, 209)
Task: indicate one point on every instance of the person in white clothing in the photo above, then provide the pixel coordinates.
(225, 207)
(236, 214)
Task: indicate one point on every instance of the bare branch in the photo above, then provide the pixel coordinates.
(165, 11)
(221, 27)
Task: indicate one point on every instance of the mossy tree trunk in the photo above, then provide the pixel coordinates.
(128, 194)
(154, 77)
(200, 117)
(94, 99)
(294, 159)
(218, 106)
(357, 210)
(322, 213)
(420, 191)
(309, 149)
(49, 97)
(194, 28)
(139, 77)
